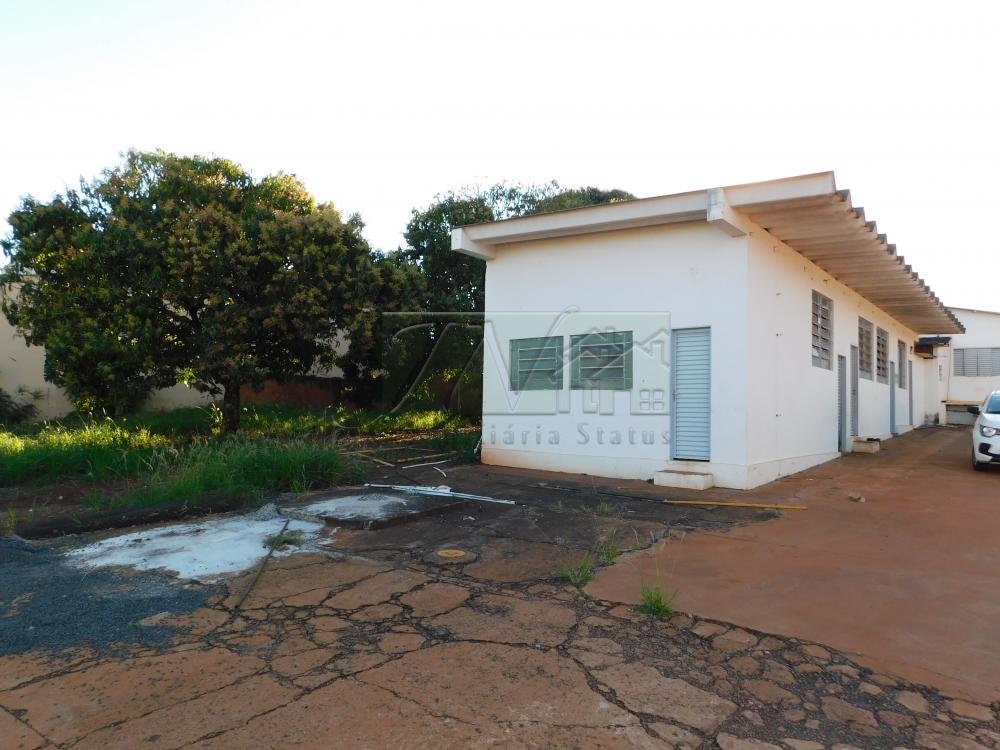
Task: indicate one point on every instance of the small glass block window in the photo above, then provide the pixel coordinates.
(882, 356)
(866, 347)
(901, 346)
(822, 331)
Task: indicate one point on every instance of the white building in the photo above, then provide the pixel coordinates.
(731, 335)
(966, 366)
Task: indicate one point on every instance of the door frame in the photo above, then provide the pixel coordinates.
(855, 391)
(909, 381)
(892, 397)
(842, 403)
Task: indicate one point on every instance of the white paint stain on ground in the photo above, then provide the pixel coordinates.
(374, 505)
(203, 551)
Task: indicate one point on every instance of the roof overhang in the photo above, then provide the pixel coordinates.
(807, 213)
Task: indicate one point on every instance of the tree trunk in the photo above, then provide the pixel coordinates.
(231, 408)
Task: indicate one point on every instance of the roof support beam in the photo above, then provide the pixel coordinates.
(462, 243)
(721, 215)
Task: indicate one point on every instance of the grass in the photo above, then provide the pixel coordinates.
(608, 550)
(176, 457)
(284, 539)
(95, 450)
(654, 603)
(109, 449)
(603, 508)
(232, 470)
(582, 573)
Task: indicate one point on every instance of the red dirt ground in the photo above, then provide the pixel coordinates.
(907, 582)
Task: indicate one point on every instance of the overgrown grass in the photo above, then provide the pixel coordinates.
(655, 603)
(373, 423)
(245, 472)
(96, 450)
(462, 442)
(582, 573)
(109, 449)
(603, 508)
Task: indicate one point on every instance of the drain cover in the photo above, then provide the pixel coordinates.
(450, 556)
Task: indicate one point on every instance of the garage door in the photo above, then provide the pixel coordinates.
(692, 391)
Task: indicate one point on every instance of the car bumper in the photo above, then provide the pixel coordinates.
(986, 449)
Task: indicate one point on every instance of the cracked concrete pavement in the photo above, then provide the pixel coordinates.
(377, 644)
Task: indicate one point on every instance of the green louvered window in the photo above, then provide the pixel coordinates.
(536, 364)
(602, 361)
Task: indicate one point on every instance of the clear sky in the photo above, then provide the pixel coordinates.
(377, 107)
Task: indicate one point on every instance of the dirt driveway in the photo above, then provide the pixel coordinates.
(378, 641)
(907, 582)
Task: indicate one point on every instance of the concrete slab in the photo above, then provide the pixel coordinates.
(684, 480)
(907, 581)
(398, 652)
(372, 509)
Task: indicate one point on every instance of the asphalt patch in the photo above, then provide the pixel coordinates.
(46, 604)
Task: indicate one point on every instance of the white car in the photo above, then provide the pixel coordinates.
(986, 433)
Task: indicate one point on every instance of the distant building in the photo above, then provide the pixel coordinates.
(967, 365)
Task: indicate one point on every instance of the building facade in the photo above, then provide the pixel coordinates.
(728, 336)
(963, 368)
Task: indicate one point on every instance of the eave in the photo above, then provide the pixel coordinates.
(807, 213)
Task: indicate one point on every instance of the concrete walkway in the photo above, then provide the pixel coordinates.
(908, 582)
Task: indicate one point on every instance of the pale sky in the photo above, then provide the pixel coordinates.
(377, 107)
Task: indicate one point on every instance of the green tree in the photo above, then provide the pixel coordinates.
(562, 200)
(361, 352)
(184, 269)
(454, 282)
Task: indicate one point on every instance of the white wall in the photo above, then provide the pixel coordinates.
(792, 421)
(773, 412)
(934, 382)
(23, 366)
(680, 276)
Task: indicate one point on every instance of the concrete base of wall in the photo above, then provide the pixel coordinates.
(600, 466)
(729, 476)
(769, 471)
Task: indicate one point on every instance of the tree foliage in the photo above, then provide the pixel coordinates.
(456, 283)
(13, 411)
(184, 269)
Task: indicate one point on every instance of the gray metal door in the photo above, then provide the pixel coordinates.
(892, 398)
(692, 394)
(854, 390)
(909, 379)
(841, 403)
